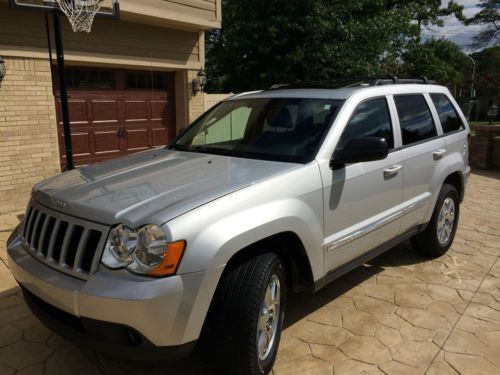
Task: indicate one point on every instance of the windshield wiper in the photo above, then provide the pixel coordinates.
(179, 147)
(217, 151)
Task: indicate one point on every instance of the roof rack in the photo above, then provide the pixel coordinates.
(353, 82)
(394, 80)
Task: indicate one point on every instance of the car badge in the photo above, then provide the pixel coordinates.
(61, 203)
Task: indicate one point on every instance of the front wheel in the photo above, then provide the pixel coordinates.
(437, 238)
(246, 316)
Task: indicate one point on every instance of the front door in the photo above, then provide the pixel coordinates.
(361, 200)
(116, 112)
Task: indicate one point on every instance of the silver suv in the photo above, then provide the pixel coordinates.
(273, 191)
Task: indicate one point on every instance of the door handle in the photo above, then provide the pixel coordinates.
(391, 171)
(438, 154)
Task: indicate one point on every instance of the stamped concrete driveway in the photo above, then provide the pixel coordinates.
(400, 314)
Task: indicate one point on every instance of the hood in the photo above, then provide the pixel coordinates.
(154, 185)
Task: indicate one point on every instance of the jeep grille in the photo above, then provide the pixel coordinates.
(66, 243)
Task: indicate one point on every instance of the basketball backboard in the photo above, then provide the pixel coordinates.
(109, 8)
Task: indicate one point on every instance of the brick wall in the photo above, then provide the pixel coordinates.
(28, 135)
(196, 103)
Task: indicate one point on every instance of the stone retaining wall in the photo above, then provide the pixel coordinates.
(485, 147)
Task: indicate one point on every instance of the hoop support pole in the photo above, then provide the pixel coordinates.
(63, 92)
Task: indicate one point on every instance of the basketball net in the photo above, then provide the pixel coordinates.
(80, 13)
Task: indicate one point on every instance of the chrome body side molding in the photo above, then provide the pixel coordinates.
(376, 224)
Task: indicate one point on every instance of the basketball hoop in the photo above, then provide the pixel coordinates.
(80, 13)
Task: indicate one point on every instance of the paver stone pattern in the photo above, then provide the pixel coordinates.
(401, 313)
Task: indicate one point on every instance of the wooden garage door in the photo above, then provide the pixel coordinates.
(116, 112)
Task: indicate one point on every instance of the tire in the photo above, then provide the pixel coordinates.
(436, 239)
(235, 313)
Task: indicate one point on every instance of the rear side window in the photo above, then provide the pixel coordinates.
(448, 116)
(370, 119)
(415, 118)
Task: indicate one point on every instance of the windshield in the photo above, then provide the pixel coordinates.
(279, 129)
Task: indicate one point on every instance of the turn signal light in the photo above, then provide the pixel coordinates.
(171, 259)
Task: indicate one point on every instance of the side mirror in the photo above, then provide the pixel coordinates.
(359, 150)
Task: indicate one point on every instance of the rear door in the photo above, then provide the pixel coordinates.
(453, 126)
(423, 151)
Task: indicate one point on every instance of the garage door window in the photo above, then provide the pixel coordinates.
(146, 81)
(89, 79)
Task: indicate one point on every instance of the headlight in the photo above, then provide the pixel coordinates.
(145, 250)
(120, 245)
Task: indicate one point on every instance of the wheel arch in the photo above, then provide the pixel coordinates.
(292, 252)
(456, 179)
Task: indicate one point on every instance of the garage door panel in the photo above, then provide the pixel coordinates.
(106, 142)
(104, 111)
(78, 110)
(138, 139)
(81, 143)
(136, 110)
(159, 137)
(117, 112)
(159, 109)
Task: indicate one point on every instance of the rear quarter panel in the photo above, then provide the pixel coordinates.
(457, 156)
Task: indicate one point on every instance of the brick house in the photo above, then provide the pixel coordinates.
(129, 85)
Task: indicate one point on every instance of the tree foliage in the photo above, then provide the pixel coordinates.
(265, 42)
(427, 13)
(439, 59)
(488, 72)
(489, 16)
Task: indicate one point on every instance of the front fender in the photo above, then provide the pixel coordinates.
(216, 231)
(217, 243)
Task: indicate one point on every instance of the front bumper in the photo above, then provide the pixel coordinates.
(164, 315)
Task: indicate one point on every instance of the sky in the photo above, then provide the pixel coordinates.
(453, 29)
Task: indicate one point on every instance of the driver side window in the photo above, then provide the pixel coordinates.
(370, 119)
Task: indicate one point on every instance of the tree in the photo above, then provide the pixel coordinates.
(488, 72)
(426, 13)
(265, 42)
(438, 59)
(489, 16)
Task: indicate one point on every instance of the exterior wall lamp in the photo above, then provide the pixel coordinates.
(3, 70)
(199, 82)
(492, 112)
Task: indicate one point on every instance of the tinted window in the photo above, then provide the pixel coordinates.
(370, 119)
(415, 118)
(448, 116)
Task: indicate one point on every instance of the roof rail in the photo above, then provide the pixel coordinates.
(357, 81)
(394, 80)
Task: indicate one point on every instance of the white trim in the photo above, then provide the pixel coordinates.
(96, 59)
